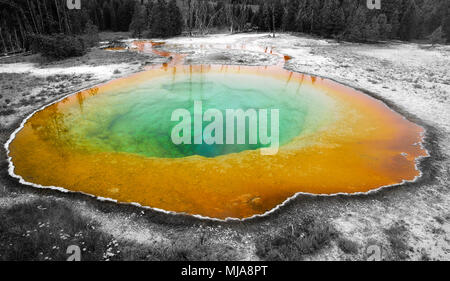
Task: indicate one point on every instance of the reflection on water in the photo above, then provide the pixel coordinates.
(114, 140)
(52, 130)
(137, 118)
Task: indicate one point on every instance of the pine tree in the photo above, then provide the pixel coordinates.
(349, 7)
(432, 18)
(446, 22)
(137, 25)
(299, 21)
(278, 11)
(408, 24)
(175, 18)
(391, 7)
(384, 27)
(289, 17)
(304, 17)
(148, 14)
(395, 25)
(437, 37)
(160, 20)
(332, 18)
(314, 18)
(91, 36)
(125, 15)
(220, 19)
(106, 16)
(257, 18)
(373, 29)
(357, 29)
(250, 18)
(267, 17)
(113, 15)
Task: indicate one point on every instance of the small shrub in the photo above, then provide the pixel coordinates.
(437, 37)
(348, 246)
(91, 37)
(6, 112)
(440, 220)
(396, 236)
(294, 242)
(58, 46)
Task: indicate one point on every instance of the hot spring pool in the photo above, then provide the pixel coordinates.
(136, 118)
(114, 141)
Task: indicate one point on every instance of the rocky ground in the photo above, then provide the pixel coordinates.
(409, 222)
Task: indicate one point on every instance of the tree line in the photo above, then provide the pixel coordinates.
(351, 20)
(342, 19)
(157, 19)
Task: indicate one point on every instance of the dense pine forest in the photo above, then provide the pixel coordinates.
(49, 24)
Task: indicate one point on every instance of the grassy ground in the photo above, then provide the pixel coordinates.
(411, 221)
(44, 229)
(296, 241)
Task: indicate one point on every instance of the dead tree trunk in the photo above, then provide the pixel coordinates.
(33, 18)
(40, 15)
(66, 21)
(273, 19)
(3, 41)
(17, 42)
(59, 16)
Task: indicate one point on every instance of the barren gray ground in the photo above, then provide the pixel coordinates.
(411, 221)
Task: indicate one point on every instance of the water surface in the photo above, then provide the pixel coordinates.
(114, 141)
